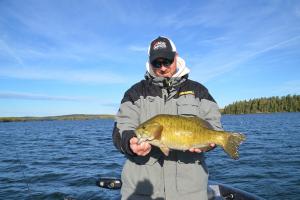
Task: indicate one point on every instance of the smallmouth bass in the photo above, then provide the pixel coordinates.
(182, 133)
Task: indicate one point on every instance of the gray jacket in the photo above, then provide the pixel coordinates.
(181, 175)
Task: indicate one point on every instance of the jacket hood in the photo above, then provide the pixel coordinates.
(182, 69)
(179, 77)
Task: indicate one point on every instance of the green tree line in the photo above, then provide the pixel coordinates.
(289, 103)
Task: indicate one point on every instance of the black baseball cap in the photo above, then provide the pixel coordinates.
(161, 47)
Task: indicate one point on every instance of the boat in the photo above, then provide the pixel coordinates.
(216, 191)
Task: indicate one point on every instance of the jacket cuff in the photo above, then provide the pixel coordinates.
(125, 144)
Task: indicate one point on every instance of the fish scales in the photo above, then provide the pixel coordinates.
(182, 133)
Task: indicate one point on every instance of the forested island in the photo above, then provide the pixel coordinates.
(289, 103)
(50, 118)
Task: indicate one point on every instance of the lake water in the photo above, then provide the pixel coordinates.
(59, 159)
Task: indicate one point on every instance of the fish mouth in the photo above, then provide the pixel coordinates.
(139, 137)
(142, 138)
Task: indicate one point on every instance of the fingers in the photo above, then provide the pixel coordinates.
(141, 149)
(145, 148)
(196, 150)
(133, 140)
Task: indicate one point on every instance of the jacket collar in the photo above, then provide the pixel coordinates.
(165, 82)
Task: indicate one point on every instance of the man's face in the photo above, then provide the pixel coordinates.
(164, 68)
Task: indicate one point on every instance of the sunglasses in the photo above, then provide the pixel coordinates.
(161, 62)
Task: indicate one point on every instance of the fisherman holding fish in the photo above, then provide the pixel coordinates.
(157, 128)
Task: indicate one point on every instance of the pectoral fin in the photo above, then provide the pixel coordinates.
(207, 148)
(162, 147)
(165, 150)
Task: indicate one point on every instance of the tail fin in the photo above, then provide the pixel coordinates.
(233, 143)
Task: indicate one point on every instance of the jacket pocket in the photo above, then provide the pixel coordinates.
(188, 105)
(141, 176)
(192, 173)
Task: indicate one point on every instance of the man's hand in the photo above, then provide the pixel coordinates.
(198, 150)
(140, 149)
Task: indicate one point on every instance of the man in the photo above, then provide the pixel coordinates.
(148, 173)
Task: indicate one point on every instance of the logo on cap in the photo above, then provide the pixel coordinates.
(159, 45)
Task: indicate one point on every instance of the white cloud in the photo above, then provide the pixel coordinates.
(224, 61)
(7, 50)
(30, 96)
(63, 74)
(46, 97)
(138, 48)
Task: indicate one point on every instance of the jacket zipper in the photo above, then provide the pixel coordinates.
(165, 96)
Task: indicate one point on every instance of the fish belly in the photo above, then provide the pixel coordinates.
(184, 139)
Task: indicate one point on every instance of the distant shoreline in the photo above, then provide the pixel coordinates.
(52, 118)
(83, 117)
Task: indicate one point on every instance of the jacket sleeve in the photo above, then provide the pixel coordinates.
(209, 109)
(127, 119)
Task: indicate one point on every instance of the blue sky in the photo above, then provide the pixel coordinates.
(70, 57)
